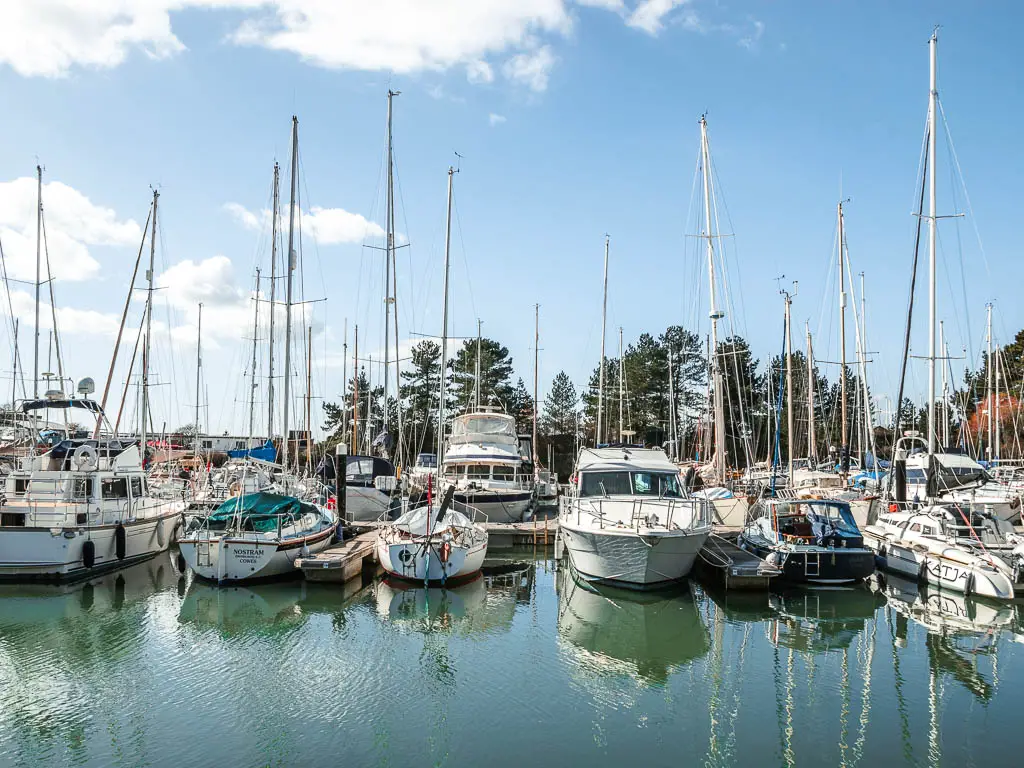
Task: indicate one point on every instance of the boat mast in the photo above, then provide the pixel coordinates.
(945, 387)
(536, 363)
(39, 276)
(671, 408)
(199, 367)
(388, 247)
(789, 384)
(355, 391)
(932, 194)
(620, 384)
(273, 300)
(149, 326)
(812, 446)
(988, 380)
(288, 289)
(718, 455)
(309, 402)
(252, 370)
(844, 443)
(604, 324)
(343, 423)
(400, 443)
(444, 325)
(999, 436)
(476, 388)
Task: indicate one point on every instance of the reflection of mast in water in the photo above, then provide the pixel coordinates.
(898, 633)
(934, 747)
(865, 705)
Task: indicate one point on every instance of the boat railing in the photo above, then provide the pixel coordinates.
(643, 512)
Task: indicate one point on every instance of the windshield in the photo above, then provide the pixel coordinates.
(426, 460)
(496, 425)
(837, 515)
(622, 483)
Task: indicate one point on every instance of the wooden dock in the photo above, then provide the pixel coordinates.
(342, 561)
(534, 533)
(722, 560)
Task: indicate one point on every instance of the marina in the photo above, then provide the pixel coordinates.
(114, 670)
(488, 443)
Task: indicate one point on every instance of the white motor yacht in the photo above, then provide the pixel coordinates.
(489, 466)
(626, 522)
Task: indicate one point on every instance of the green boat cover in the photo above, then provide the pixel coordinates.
(258, 511)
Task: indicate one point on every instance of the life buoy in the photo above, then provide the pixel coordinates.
(332, 502)
(120, 541)
(85, 458)
(446, 551)
(89, 553)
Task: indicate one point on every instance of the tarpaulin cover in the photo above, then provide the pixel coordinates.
(258, 511)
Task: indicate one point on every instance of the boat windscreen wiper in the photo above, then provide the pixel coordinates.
(600, 484)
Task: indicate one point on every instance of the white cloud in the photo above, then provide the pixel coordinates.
(210, 281)
(50, 37)
(531, 69)
(328, 226)
(73, 222)
(749, 41)
(649, 15)
(70, 321)
(495, 119)
(608, 5)
(479, 71)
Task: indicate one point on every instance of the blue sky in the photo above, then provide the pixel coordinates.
(573, 119)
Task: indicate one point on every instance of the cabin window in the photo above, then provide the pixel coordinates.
(927, 529)
(81, 488)
(114, 487)
(137, 487)
(239, 445)
(478, 472)
(12, 520)
(504, 473)
(605, 484)
(453, 470)
(655, 484)
(915, 527)
(207, 443)
(20, 486)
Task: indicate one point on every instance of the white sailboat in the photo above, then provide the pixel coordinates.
(435, 541)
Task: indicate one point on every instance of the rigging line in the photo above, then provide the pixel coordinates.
(53, 301)
(465, 261)
(913, 285)
(16, 355)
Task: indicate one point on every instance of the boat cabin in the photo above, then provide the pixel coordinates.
(816, 522)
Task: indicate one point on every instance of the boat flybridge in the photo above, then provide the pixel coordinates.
(489, 466)
(78, 506)
(626, 521)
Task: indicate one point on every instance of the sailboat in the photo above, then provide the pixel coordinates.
(435, 541)
(730, 509)
(259, 535)
(923, 543)
(79, 505)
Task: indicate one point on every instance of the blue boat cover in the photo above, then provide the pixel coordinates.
(266, 452)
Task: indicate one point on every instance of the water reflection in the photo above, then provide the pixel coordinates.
(618, 631)
(821, 620)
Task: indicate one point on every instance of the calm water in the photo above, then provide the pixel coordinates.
(149, 668)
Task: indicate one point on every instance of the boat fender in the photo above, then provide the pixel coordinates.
(446, 551)
(89, 553)
(1015, 502)
(120, 541)
(969, 583)
(161, 536)
(922, 573)
(182, 565)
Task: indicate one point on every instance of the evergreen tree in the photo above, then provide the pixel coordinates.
(495, 375)
(520, 406)
(560, 413)
(420, 386)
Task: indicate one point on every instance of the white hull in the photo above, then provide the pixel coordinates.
(496, 508)
(941, 565)
(235, 558)
(647, 558)
(414, 561)
(56, 554)
(364, 505)
(731, 513)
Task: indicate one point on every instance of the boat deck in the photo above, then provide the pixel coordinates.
(722, 560)
(342, 561)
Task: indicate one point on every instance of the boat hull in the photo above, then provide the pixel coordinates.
(638, 560)
(940, 566)
(498, 506)
(57, 554)
(238, 559)
(816, 565)
(418, 561)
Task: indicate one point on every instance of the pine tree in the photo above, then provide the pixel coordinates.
(561, 406)
(420, 385)
(520, 406)
(495, 375)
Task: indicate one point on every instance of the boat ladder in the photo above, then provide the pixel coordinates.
(203, 553)
(812, 567)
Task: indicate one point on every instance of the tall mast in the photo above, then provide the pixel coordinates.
(477, 387)
(400, 443)
(252, 370)
(288, 290)
(536, 364)
(14, 372)
(671, 408)
(388, 250)
(789, 385)
(945, 391)
(273, 300)
(199, 368)
(444, 324)
(604, 324)
(988, 384)
(39, 275)
(812, 438)
(309, 400)
(933, 96)
(999, 436)
(844, 443)
(343, 424)
(355, 393)
(620, 384)
(149, 326)
(718, 451)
